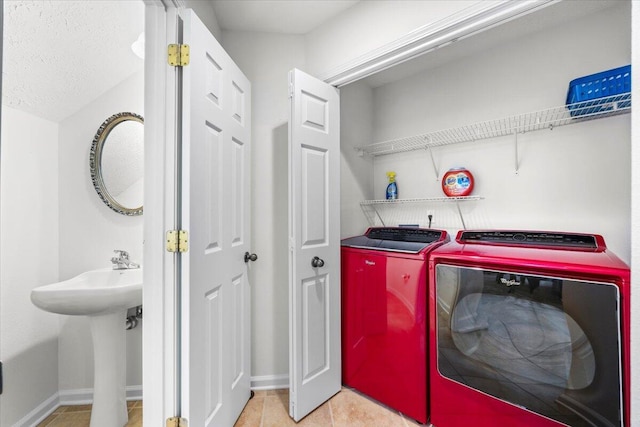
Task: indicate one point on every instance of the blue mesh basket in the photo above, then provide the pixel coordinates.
(600, 92)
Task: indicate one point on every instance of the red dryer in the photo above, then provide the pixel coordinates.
(384, 315)
(528, 329)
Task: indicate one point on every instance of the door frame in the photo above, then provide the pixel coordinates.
(160, 359)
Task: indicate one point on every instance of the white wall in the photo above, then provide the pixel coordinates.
(574, 178)
(266, 59)
(356, 172)
(635, 216)
(29, 258)
(90, 231)
(204, 10)
(369, 25)
(331, 45)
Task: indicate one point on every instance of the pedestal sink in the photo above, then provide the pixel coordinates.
(104, 295)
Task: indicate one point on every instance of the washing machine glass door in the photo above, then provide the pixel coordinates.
(547, 344)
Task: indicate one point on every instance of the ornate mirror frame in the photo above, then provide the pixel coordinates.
(95, 162)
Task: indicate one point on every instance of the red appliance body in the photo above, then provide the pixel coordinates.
(560, 301)
(384, 315)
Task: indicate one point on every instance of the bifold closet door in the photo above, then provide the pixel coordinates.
(314, 256)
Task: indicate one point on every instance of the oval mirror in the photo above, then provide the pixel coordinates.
(117, 163)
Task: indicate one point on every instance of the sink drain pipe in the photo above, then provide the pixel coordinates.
(132, 320)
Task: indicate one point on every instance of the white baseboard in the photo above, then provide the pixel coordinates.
(41, 412)
(134, 392)
(80, 396)
(270, 382)
(84, 396)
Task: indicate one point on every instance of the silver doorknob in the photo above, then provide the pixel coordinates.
(250, 257)
(317, 262)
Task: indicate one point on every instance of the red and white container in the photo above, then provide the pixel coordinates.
(457, 182)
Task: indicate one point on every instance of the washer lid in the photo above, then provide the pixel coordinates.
(396, 239)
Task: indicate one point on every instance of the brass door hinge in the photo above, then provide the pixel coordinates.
(178, 55)
(177, 241)
(176, 422)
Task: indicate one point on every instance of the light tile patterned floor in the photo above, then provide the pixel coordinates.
(345, 409)
(80, 416)
(268, 409)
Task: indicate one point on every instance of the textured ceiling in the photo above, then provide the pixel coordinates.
(277, 16)
(60, 55)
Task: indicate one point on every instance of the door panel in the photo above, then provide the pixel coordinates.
(238, 331)
(315, 319)
(213, 387)
(314, 111)
(214, 81)
(238, 103)
(314, 221)
(213, 146)
(314, 196)
(215, 210)
(237, 197)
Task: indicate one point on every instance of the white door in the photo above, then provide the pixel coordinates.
(216, 137)
(314, 240)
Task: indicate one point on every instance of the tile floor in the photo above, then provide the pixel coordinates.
(268, 409)
(80, 415)
(346, 409)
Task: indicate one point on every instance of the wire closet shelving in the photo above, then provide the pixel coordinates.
(385, 212)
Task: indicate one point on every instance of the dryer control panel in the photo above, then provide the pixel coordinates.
(533, 238)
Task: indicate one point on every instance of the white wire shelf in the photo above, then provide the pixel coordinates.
(528, 122)
(416, 201)
(416, 211)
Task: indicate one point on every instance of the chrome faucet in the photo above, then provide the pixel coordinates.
(122, 261)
